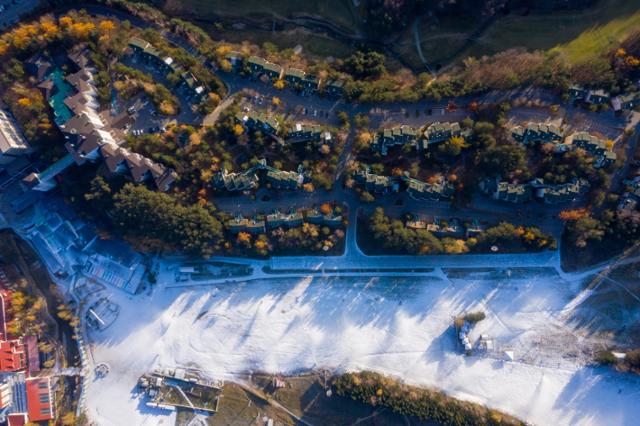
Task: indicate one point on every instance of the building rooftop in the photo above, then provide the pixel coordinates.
(39, 399)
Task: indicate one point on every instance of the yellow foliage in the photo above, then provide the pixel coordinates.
(238, 129)
(81, 30)
(194, 139)
(609, 144)
(457, 246)
(65, 21)
(621, 52)
(25, 102)
(458, 141)
(107, 26)
(632, 61)
(279, 84)
(49, 29)
(276, 101)
(308, 187)
(214, 98)
(223, 49)
(261, 244)
(225, 65)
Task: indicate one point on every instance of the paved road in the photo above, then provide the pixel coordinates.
(403, 112)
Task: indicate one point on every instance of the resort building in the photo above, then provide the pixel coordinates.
(377, 184)
(303, 132)
(87, 137)
(386, 138)
(537, 133)
(559, 193)
(423, 191)
(594, 146)
(12, 141)
(334, 88)
(261, 121)
(441, 132)
(39, 399)
(260, 66)
(505, 191)
(249, 179)
(294, 76)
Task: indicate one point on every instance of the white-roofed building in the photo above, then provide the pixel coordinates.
(12, 142)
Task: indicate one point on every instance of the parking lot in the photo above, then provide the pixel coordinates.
(146, 118)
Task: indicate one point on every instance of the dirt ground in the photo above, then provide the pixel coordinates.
(303, 395)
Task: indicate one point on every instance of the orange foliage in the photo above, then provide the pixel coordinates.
(571, 215)
(325, 208)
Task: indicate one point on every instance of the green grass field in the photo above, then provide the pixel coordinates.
(341, 13)
(577, 34)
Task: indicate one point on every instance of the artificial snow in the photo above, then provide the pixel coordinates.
(402, 327)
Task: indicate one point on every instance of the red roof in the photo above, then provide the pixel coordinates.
(39, 404)
(17, 419)
(12, 355)
(33, 354)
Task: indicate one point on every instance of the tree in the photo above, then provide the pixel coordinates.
(586, 229)
(367, 197)
(572, 215)
(151, 216)
(325, 208)
(106, 26)
(365, 64)
(279, 84)
(238, 129)
(502, 160)
(68, 419)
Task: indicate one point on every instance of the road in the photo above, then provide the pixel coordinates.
(481, 207)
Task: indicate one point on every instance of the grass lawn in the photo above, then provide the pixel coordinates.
(439, 41)
(341, 13)
(577, 34)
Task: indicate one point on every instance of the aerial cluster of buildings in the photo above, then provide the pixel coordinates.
(523, 192)
(269, 125)
(549, 133)
(25, 396)
(292, 219)
(249, 179)
(627, 101)
(441, 189)
(66, 245)
(452, 228)
(152, 56)
(431, 134)
(294, 77)
(87, 137)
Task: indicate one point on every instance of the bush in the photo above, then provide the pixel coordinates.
(605, 358)
(474, 317)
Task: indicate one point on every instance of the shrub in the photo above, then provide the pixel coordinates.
(474, 317)
(605, 357)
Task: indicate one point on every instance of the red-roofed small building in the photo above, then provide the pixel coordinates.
(17, 419)
(12, 356)
(39, 401)
(33, 354)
